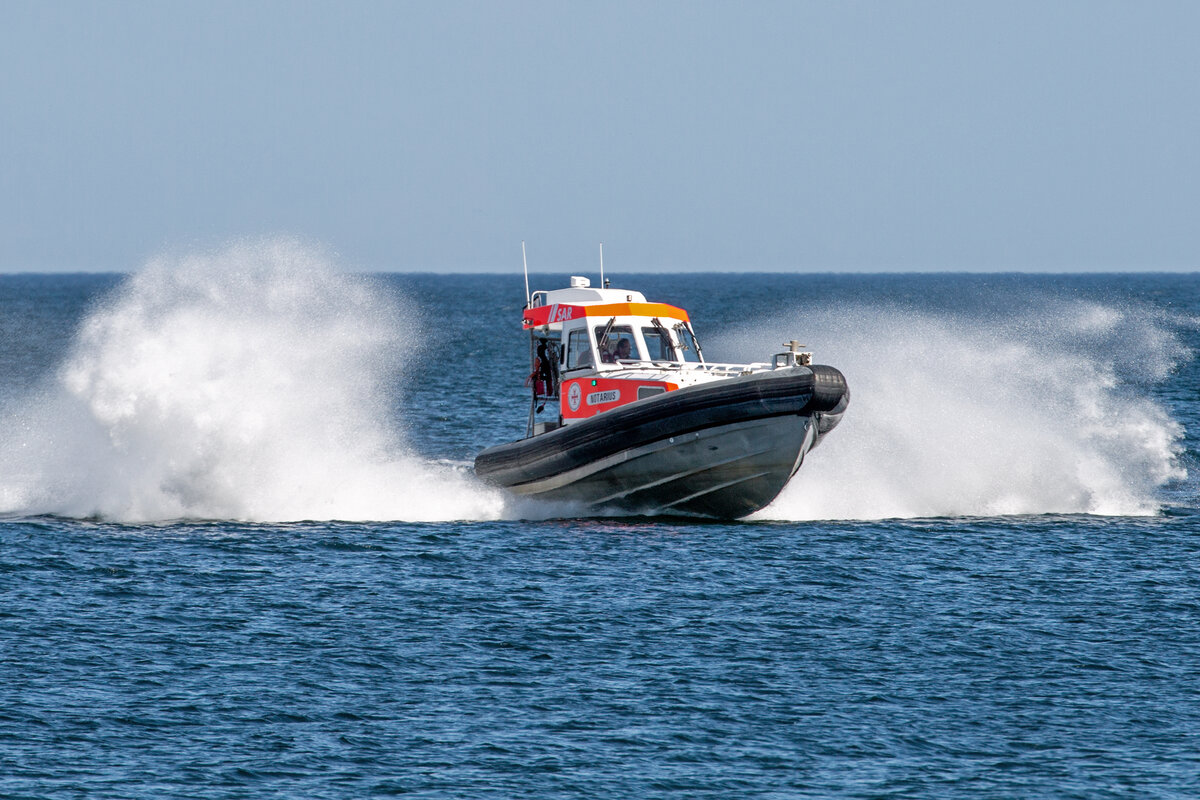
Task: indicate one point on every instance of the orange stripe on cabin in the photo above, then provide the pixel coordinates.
(561, 312)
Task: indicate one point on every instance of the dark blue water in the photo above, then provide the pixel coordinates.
(1043, 654)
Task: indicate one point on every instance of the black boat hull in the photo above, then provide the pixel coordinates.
(723, 449)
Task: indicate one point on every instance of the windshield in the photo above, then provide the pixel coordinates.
(617, 345)
(687, 342)
(658, 344)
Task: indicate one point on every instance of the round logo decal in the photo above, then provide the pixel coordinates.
(574, 396)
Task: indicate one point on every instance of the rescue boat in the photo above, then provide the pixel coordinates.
(627, 416)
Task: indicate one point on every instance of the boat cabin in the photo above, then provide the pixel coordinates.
(594, 349)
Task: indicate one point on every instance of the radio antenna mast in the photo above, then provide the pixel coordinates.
(525, 263)
(602, 265)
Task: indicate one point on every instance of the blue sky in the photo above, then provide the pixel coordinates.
(821, 136)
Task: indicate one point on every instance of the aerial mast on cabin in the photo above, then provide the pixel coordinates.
(525, 263)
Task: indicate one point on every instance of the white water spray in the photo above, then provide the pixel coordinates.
(1044, 410)
(250, 384)
(256, 384)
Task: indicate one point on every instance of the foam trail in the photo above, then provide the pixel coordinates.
(248, 384)
(1043, 410)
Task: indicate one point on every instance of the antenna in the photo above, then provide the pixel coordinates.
(525, 263)
(602, 264)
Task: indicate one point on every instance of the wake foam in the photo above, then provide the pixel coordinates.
(1041, 410)
(252, 384)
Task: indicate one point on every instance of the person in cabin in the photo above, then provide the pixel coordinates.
(619, 350)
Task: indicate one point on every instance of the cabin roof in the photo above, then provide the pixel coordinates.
(587, 294)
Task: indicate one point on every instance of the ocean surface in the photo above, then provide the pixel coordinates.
(242, 553)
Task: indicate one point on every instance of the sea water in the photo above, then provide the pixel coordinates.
(242, 553)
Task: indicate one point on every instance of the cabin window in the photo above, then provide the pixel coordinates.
(617, 345)
(658, 344)
(579, 350)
